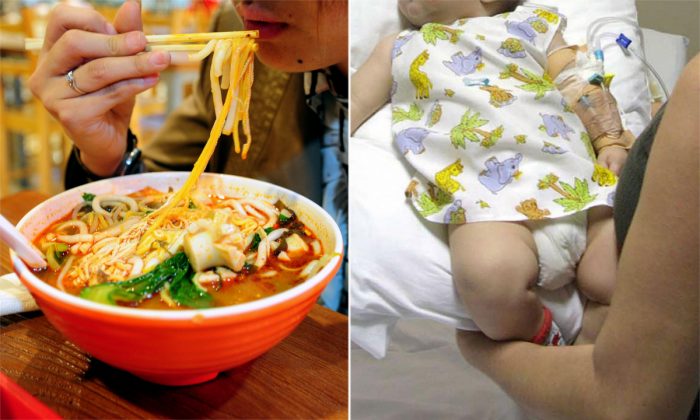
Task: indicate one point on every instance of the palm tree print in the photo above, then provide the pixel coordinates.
(574, 198)
(433, 201)
(414, 113)
(533, 83)
(468, 129)
(432, 32)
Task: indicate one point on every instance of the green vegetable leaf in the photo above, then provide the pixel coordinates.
(184, 291)
(139, 288)
(88, 197)
(249, 268)
(52, 259)
(255, 242)
(60, 247)
(55, 254)
(256, 239)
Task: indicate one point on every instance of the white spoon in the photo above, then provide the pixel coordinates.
(15, 240)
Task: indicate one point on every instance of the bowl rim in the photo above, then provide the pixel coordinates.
(35, 284)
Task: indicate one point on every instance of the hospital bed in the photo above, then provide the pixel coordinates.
(404, 360)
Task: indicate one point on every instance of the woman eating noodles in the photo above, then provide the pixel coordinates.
(90, 70)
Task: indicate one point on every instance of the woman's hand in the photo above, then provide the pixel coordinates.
(107, 69)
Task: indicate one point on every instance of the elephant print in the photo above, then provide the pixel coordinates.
(399, 43)
(461, 65)
(411, 139)
(552, 149)
(499, 174)
(554, 125)
(528, 28)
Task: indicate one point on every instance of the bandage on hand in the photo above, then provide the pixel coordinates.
(597, 109)
(624, 141)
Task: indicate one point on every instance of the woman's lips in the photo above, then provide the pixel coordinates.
(267, 30)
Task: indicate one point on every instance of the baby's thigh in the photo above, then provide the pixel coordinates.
(490, 257)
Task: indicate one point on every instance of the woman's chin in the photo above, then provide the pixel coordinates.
(280, 60)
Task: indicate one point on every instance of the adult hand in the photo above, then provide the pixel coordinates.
(107, 68)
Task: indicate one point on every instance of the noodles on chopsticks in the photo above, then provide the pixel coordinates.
(234, 58)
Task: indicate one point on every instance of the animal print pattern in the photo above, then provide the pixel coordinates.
(478, 118)
(419, 78)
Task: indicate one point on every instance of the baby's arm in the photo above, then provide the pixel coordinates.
(611, 144)
(371, 83)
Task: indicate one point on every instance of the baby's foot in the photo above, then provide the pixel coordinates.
(549, 333)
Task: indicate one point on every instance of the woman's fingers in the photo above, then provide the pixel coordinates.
(76, 47)
(108, 97)
(64, 18)
(128, 17)
(74, 113)
(102, 72)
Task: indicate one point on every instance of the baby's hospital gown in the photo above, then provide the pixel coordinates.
(488, 133)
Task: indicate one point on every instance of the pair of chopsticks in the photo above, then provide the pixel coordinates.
(174, 42)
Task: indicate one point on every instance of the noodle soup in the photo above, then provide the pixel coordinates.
(165, 346)
(214, 251)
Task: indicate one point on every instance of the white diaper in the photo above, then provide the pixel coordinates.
(560, 245)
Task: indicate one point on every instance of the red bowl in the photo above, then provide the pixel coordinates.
(189, 346)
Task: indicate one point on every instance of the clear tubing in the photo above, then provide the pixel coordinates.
(598, 23)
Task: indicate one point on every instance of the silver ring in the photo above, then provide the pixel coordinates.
(73, 85)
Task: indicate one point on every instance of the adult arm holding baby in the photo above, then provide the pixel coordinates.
(371, 83)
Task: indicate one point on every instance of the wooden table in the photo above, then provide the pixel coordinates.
(305, 376)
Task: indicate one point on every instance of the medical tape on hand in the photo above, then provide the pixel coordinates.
(594, 105)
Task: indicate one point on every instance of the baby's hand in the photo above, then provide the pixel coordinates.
(613, 158)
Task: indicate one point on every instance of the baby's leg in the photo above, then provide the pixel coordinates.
(598, 266)
(494, 266)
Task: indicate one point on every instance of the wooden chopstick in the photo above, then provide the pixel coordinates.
(175, 47)
(175, 39)
(204, 36)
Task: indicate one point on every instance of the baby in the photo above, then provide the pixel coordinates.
(515, 140)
